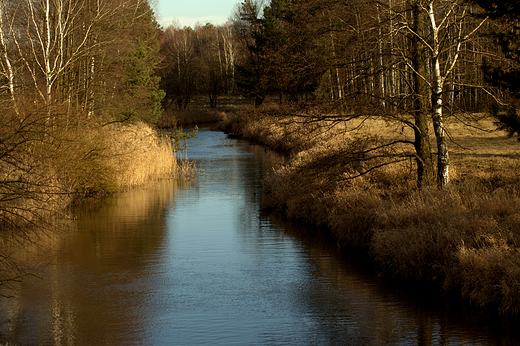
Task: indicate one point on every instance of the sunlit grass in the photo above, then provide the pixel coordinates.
(464, 238)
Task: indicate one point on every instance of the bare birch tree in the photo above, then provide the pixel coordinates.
(8, 64)
(47, 37)
(449, 27)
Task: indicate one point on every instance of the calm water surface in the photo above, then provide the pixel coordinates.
(199, 264)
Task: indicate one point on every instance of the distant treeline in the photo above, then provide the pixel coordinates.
(363, 54)
(415, 62)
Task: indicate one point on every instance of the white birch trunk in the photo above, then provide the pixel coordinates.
(9, 73)
(437, 116)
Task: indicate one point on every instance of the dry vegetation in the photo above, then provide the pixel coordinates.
(45, 168)
(173, 118)
(106, 159)
(464, 239)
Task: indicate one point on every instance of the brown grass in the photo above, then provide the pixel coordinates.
(199, 112)
(43, 168)
(98, 160)
(464, 239)
(48, 160)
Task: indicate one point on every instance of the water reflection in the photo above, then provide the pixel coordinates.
(199, 264)
(98, 281)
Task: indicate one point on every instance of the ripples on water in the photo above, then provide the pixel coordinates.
(199, 264)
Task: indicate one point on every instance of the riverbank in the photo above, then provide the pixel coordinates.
(463, 239)
(46, 168)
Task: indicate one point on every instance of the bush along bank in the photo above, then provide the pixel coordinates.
(107, 159)
(462, 239)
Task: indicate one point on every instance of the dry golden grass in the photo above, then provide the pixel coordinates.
(40, 175)
(277, 127)
(46, 163)
(139, 155)
(465, 238)
(99, 160)
(199, 112)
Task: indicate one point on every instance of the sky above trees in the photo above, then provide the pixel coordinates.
(188, 13)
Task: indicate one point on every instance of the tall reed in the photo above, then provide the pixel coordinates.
(51, 157)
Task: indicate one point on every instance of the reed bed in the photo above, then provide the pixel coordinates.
(463, 239)
(44, 168)
(97, 160)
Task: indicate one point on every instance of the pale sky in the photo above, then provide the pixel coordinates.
(189, 12)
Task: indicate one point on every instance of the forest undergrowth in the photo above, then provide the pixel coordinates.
(464, 239)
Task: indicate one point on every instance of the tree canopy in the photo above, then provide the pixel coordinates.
(91, 58)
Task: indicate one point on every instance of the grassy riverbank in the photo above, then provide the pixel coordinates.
(199, 112)
(464, 239)
(44, 168)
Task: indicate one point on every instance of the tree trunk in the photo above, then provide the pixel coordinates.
(9, 73)
(425, 173)
(443, 159)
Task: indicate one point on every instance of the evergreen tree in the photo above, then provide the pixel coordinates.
(137, 94)
(251, 72)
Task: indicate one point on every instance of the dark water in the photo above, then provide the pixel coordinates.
(199, 264)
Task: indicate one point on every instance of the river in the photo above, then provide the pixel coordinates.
(198, 263)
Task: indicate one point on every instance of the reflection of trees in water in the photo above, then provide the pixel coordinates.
(80, 295)
(258, 164)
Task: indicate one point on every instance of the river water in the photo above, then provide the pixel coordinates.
(199, 264)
